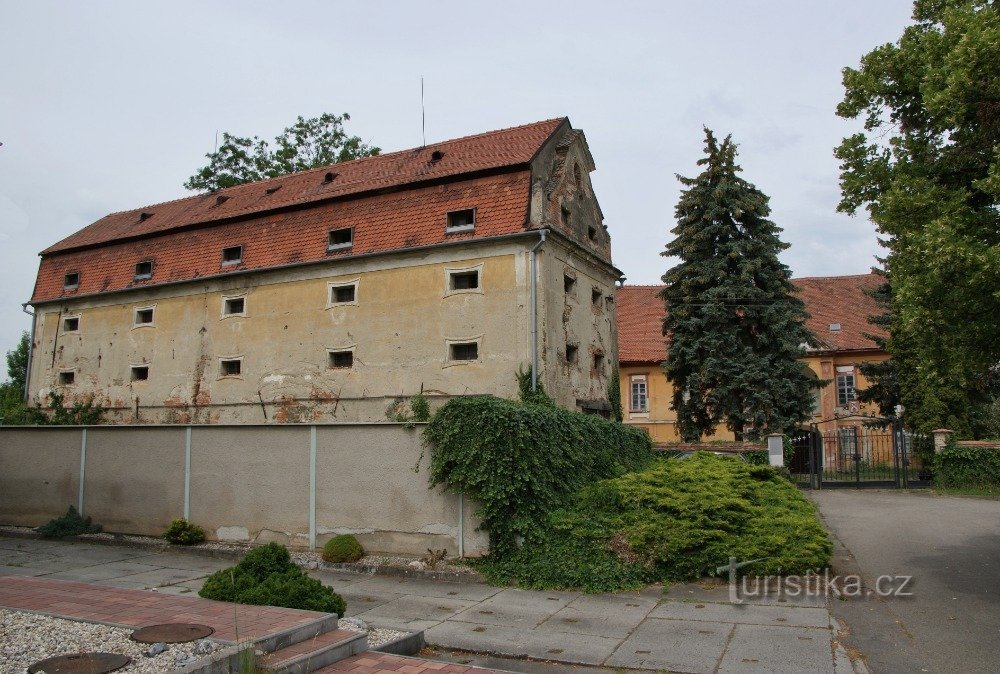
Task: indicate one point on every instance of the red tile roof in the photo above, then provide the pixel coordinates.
(829, 300)
(393, 201)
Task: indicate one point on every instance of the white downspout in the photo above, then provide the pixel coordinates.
(31, 349)
(534, 308)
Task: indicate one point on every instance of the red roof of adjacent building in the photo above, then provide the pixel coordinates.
(830, 300)
(393, 201)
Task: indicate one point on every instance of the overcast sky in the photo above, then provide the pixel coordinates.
(109, 106)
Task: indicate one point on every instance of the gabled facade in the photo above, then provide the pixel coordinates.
(838, 307)
(330, 294)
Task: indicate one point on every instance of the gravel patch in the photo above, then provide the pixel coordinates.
(26, 638)
(377, 636)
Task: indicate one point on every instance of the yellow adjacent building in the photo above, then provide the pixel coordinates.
(838, 307)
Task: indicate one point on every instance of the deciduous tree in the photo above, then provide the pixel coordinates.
(927, 169)
(306, 144)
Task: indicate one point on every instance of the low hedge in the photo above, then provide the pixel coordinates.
(520, 461)
(968, 468)
(677, 520)
(266, 576)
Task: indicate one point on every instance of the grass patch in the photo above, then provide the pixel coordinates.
(675, 521)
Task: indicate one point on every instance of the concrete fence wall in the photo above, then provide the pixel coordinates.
(296, 484)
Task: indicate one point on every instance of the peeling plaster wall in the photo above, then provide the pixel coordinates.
(248, 483)
(398, 327)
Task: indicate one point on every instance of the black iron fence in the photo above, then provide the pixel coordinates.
(856, 456)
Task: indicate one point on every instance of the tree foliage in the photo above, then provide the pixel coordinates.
(736, 329)
(12, 408)
(306, 144)
(927, 169)
(882, 376)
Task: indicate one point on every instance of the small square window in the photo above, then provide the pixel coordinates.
(571, 353)
(461, 221)
(592, 233)
(232, 255)
(144, 270)
(234, 306)
(71, 324)
(67, 378)
(71, 280)
(341, 239)
(341, 359)
(144, 316)
(599, 362)
(567, 217)
(464, 351)
(232, 367)
(569, 283)
(595, 297)
(140, 372)
(464, 280)
(342, 294)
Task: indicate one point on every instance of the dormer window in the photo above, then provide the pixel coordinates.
(71, 281)
(232, 255)
(328, 178)
(340, 239)
(437, 155)
(144, 216)
(144, 270)
(221, 199)
(461, 221)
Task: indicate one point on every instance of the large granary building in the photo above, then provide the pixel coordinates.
(327, 295)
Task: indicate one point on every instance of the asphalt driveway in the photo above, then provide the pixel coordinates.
(951, 548)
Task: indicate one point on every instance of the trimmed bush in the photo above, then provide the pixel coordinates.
(520, 461)
(967, 469)
(70, 524)
(183, 532)
(343, 548)
(677, 520)
(266, 576)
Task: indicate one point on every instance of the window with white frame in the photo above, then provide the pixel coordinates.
(638, 397)
(846, 392)
(342, 293)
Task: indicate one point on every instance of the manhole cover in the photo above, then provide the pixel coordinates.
(80, 663)
(171, 633)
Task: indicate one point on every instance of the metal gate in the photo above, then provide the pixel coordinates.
(856, 456)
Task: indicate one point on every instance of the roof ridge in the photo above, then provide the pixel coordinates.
(325, 167)
(828, 278)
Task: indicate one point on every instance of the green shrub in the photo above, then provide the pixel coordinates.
(520, 461)
(967, 468)
(343, 548)
(266, 576)
(70, 524)
(757, 457)
(183, 532)
(677, 520)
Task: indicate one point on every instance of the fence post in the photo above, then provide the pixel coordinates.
(83, 470)
(941, 436)
(187, 473)
(312, 488)
(776, 449)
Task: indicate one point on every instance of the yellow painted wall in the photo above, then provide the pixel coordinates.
(399, 328)
(661, 421)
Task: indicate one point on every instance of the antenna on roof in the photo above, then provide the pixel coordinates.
(216, 142)
(423, 115)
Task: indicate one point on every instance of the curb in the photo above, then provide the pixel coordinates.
(408, 644)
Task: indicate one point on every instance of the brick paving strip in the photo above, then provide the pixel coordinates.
(232, 622)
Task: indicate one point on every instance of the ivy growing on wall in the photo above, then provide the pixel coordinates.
(520, 461)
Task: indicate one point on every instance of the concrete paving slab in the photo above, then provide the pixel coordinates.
(606, 615)
(339, 578)
(446, 589)
(20, 571)
(50, 564)
(674, 645)
(744, 613)
(179, 590)
(157, 577)
(172, 560)
(517, 608)
(103, 572)
(518, 642)
(410, 609)
(95, 555)
(359, 602)
(777, 650)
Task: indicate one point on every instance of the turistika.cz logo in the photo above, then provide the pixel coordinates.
(810, 584)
